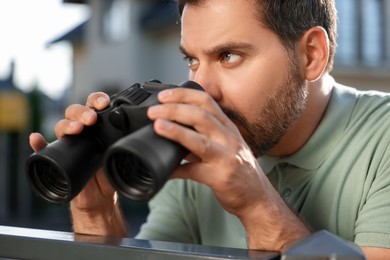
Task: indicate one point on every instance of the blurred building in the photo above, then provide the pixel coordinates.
(363, 52)
(14, 120)
(123, 42)
(127, 41)
(20, 114)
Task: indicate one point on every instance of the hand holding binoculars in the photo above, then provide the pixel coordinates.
(136, 161)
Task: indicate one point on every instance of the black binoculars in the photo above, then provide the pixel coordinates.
(136, 161)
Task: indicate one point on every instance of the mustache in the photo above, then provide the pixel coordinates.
(245, 129)
(237, 118)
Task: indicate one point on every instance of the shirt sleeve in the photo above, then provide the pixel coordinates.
(373, 223)
(172, 215)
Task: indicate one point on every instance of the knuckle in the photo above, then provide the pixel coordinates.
(72, 110)
(59, 128)
(59, 125)
(68, 110)
(204, 145)
(178, 93)
(171, 111)
(203, 115)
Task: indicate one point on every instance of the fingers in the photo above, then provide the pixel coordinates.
(37, 141)
(194, 97)
(214, 134)
(219, 158)
(200, 119)
(98, 100)
(77, 116)
(86, 114)
(197, 143)
(192, 108)
(68, 127)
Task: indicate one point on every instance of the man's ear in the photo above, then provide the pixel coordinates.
(313, 50)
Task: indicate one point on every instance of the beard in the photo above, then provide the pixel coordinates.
(276, 116)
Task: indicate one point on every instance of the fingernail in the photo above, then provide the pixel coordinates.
(101, 100)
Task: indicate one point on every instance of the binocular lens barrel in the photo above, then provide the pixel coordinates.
(131, 176)
(48, 181)
(58, 172)
(139, 164)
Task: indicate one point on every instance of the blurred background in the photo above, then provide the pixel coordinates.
(55, 52)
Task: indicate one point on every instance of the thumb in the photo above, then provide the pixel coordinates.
(37, 141)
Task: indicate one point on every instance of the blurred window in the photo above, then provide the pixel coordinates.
(116, 20)
(363, 33)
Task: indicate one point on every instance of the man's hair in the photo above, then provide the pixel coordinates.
(290, 19)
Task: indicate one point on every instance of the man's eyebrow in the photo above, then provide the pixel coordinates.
(229, 46)
(223, 47)
(183, 50)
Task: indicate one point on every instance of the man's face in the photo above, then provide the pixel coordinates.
(245, 68)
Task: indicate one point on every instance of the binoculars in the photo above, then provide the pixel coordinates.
(136, 161)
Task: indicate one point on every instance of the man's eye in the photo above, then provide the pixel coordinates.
(191, 61)
(230, 57)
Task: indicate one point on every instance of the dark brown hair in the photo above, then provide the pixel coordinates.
(290, 19)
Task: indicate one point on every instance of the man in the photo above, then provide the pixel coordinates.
(272, 121)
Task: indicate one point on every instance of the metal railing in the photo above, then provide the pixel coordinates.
(25, 243)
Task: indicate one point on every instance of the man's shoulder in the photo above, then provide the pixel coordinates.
(366, 106)
(341, 89)
(373, 98)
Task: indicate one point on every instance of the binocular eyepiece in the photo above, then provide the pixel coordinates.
(136, 161)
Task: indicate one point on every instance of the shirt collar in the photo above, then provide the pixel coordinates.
(326, 136)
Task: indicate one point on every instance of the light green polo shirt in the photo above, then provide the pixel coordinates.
(339, 181)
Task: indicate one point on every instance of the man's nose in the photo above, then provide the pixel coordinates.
(207, 77)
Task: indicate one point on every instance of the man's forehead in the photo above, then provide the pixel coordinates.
(219, 23)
